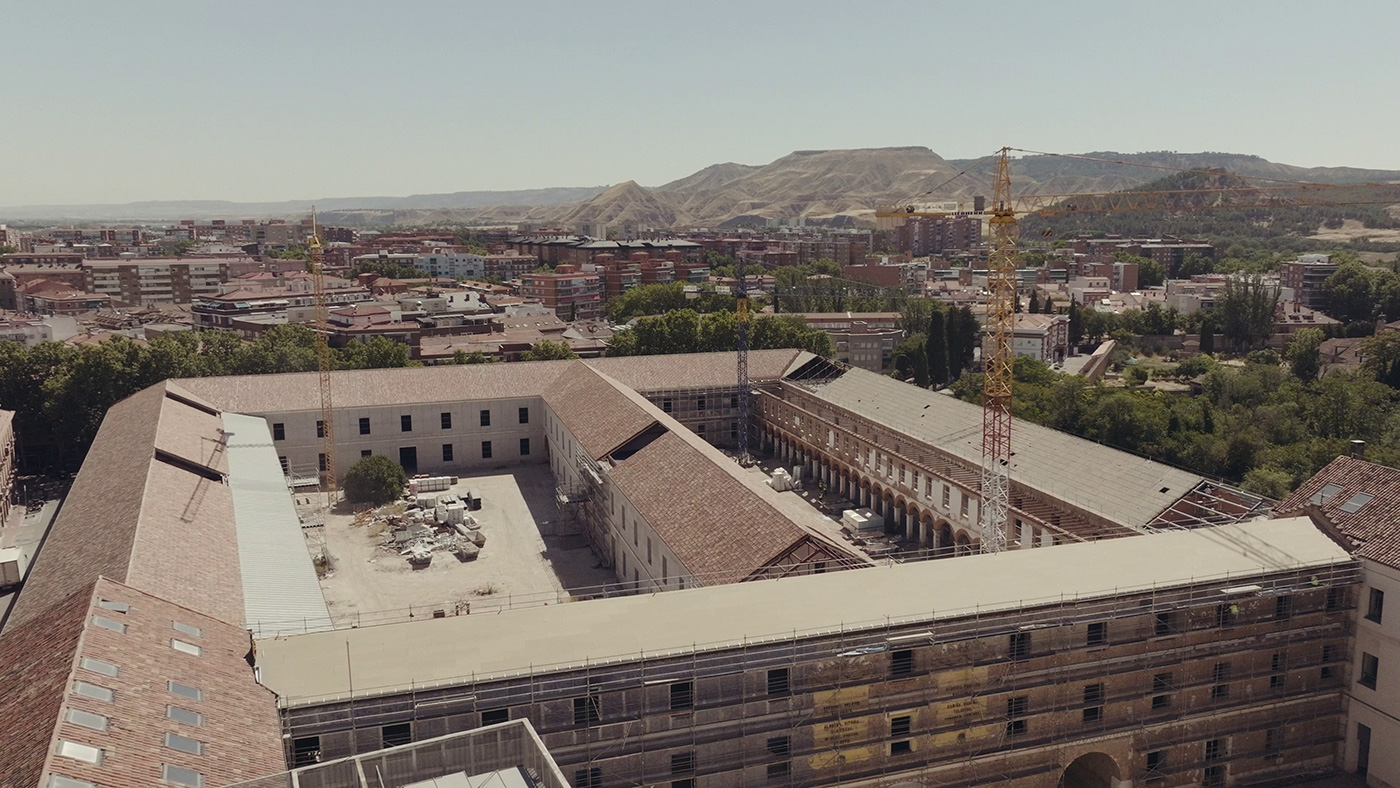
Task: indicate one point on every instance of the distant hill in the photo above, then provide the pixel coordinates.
(833, 186)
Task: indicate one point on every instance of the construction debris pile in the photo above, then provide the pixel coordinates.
(432, 522)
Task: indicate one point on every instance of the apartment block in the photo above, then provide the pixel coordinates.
(568, 292)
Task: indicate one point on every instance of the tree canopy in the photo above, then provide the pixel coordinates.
(686, 331)
(375, 479)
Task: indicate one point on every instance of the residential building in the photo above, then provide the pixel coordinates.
(568, 292)
(861, 339)
(923, 236)
(42, 297)
(163, 280)
(1305, 276)
(1041, 337)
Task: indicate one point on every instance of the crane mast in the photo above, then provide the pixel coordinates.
(742, 343)
(323, 362)
(996, 393)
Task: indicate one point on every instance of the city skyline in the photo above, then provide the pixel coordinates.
(283, 103)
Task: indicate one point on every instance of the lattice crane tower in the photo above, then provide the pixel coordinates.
(323, 361)
(996, 393)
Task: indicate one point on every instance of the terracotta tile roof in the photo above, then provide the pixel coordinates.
(38, 658)
(719, 529)
(142, 511)
(595, 410)
(240, 721)
(294, 391)
(1335, 489)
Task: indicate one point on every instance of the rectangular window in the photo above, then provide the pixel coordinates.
(406, 423)
(1156, 762)
(1370, 668)
(1093, 700)
(524, 447)
(947, 494)
(107, 623)
(1283, 608)
(187, 629)
(1334, 598)
(524, 415)
(306, 751)
(486, 450)
(779, 681)
(93, 691)
(485, 418)
(320, 429)
(321, 462)
(779, 770)
(588, 778)
(1161, 702)
(1215, 748)
(366, 452)
(279, 431)
(733, 400)
(1375, 605)
(1163, 625)
(446, 420)
(1019, 645)
(1329, 655)
(184, 715)
(901, 725)
(396, 735)
(495, 716)
(87, 719)
(1098, 633)
(1225, 615)
(447, 452)
(186, 648)
(364, 426)
(1220, 672)
(181, 776)
(682, 695)
(1016, 709)
(1214, 775)
(99, 666)
(184, 744)
(81, 752)
(186, 691)
(902, 662)
(587, 710)
(59, 781)
(700, 403)
(666, 404)
(1273, 741)
(780, 746)
(682, 762)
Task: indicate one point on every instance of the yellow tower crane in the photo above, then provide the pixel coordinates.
(323, 362)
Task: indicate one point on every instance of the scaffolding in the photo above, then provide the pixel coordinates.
(830, 698)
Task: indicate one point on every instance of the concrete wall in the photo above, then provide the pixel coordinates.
(1379, 708)
(302, 448)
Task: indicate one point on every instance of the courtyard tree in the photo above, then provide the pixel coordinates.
(375, 479)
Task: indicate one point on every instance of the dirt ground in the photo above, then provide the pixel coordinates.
(517, 565)
(1352, 229)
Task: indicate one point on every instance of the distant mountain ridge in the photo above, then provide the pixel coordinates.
(811, 184)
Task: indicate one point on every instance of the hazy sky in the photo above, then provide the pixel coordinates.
(117, 101)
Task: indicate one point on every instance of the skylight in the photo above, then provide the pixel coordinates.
(1325, 493)
(1357, 501)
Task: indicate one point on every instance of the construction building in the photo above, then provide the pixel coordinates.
(172, 628)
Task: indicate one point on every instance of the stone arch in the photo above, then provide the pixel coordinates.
(1091, 770)
(962, 543)
(926, 536)
(887, 510)
(943, 539)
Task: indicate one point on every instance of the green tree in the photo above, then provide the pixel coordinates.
(377, 353)
(1195, 265)
(545, 350)
(1268, 482)
(936, 349)
(1076, 323)
(475, 357)
(1245, 311)
(910, 359)
(375, 479)
(1349, 293)
(1303, 353)
(1207, 337)
(1034, 306)
(1380, 355)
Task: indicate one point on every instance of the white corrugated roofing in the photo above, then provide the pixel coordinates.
(1119, 486)
(279, 581)
(302, 669)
